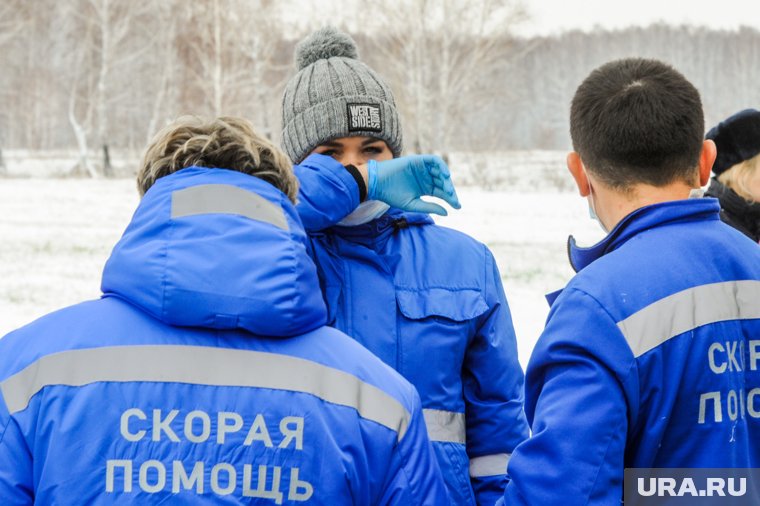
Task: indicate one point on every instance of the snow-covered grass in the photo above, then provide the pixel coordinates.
(22, 163)
(56, 234)
(512, 170)
(55, 237)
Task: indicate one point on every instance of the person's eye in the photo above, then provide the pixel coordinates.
(329, 152)
(373, 150)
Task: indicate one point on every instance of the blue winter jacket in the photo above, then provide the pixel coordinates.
(429, 302)
(205, 374)
(650, 358)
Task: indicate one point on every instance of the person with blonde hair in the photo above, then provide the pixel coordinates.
(205, 373)
(737, 171)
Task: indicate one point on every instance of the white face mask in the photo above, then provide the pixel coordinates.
(593, 216)
(591, 211)
(696, 193)
(365, 212)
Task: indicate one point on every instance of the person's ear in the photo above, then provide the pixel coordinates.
(706, 160)
(575, 166)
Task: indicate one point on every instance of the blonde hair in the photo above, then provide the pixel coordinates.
(226, 142)
(738, 177)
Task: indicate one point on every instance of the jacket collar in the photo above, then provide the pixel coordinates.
(731, 201)
(739, 213)
(642, 219)
(380, 229)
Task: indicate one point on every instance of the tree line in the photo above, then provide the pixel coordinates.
(102, 75)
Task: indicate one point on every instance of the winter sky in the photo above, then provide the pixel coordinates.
(548, 17)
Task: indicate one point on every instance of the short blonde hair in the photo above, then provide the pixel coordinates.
(738, 177)
(226, 142)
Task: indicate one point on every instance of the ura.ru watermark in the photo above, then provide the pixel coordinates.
(695, 487)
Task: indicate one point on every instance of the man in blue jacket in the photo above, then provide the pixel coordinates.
(205, 373)
(650, 354)
(426, 299)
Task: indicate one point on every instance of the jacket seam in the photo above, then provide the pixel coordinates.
(294, 268)
(486, 315)
(599, 467)
(606, 312)
(406, 475)
(485, 272)
(5, 429)
(621, 380)
(437, 287)
(480, 322)
(618, 332)
(405, 463)
(165, 267)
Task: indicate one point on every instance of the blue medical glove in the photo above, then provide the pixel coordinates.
(402, 181)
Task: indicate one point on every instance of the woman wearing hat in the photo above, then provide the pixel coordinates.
(426, 299)
(737, 171)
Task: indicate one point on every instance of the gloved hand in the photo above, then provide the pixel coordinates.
(402, 181)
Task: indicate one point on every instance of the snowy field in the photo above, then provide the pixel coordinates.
(56, 235)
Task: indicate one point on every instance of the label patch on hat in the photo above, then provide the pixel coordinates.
(364, 117)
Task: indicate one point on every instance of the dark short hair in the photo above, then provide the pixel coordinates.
(637, 121)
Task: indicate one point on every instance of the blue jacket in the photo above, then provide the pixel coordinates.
(205, 373)
(649, 359)
(429, 302)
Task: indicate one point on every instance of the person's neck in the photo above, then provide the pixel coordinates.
(613, 205)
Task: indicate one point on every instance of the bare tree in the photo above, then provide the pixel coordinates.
(437, 55)
(13, 20)
(13, 16)
(106, 40)
(163, 103)
(267, 67)
(95, 74)
(82, 83)
(234, 59)
(211, 53)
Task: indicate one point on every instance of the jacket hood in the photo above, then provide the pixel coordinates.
(218, 249)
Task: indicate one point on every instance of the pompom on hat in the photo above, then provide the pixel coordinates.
(737, 139)
(335, 95)
(325, 44)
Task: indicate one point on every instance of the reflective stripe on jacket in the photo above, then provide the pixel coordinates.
(205, 374)
(650, 359)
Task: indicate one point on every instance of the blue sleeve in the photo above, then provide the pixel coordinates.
(15, 462)
(327, 193)
(578, 383)
(415, 477)
(493, 393)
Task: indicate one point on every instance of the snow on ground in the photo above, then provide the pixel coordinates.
(56, 234)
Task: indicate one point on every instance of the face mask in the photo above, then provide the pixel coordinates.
(365, 212)
(591, 211)
(593, 216)
(696, 193)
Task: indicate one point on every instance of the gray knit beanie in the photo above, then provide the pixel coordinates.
(335, 95)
